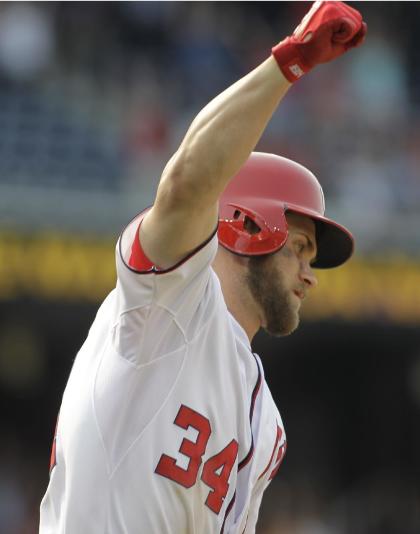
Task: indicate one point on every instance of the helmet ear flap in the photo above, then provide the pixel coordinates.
(246, 232)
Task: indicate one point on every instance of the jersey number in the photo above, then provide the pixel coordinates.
(216, 470)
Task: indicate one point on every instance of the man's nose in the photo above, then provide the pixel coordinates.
(307, 275)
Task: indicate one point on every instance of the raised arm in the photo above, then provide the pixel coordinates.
(226, 131)
(216, 145)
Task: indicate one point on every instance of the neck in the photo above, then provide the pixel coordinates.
(230, 271)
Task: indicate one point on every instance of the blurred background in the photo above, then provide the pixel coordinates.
(94, 99)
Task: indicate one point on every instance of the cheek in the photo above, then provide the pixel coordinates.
(286, 252)
(289, 266)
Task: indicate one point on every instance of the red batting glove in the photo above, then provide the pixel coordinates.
(327, 31)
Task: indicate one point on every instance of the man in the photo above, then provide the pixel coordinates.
(166, 423)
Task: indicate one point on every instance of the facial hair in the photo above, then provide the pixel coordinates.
(267, 287)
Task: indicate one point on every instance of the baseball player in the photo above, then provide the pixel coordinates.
(167, 425)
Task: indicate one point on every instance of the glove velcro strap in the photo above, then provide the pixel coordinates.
(288, 60)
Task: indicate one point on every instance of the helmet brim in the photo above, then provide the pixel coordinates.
(335, 244)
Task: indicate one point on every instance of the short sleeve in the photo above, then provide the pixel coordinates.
(161, 304)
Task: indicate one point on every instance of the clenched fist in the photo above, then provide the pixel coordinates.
(327, 31)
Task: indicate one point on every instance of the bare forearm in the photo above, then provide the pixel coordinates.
(224, 133)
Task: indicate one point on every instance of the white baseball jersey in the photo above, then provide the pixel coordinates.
(166, 424)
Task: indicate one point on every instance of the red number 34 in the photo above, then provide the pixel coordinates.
(216, 470)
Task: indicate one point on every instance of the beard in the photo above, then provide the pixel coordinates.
(267, 287)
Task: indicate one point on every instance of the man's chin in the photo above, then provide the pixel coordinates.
(284, 326)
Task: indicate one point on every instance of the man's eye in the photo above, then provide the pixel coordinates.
(300, 247)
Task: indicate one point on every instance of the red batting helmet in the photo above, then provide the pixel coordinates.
(265, 188)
